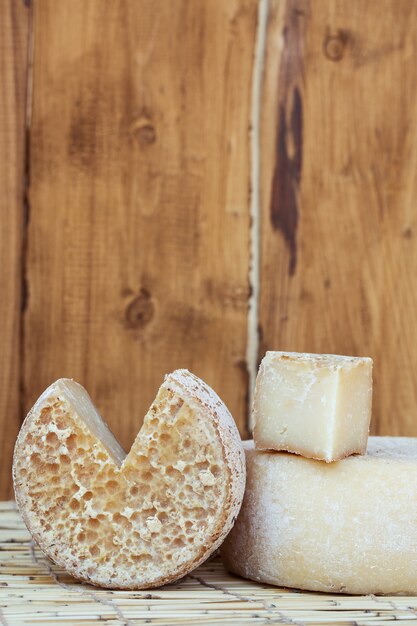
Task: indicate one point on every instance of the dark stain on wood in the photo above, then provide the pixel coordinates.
(261, 343)
(297, 134)
(242, 366)
(146, 134)
(334, 45)
(287, 176)
(284, 209)
(88, 135)
(82, 138)
(143, 128)
(139, 311)
(24, 298)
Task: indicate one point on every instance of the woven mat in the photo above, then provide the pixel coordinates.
(34, 591)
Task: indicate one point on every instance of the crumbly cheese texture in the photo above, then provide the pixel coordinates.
(316, 405)
(136, 520)
(347, 527)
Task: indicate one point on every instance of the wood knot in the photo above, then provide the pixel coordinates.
(334, 46)
(143, 130)
(140, 311)
(146, 134)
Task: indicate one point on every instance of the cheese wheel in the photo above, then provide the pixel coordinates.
(346, 527)
(130, 521)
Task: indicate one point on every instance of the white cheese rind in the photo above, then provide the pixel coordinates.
(315, 405)
(348, 527)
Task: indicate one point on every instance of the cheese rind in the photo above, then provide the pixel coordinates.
(315, 405)
(131, 521)
(348, 527)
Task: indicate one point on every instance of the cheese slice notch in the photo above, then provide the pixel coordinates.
(138, 520)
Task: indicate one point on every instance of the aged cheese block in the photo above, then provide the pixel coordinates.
(348, 527)
(317, 405)
(132, 521)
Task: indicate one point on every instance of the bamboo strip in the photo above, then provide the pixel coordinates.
(35, 591)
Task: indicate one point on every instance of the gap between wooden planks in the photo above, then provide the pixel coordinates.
(14, 34)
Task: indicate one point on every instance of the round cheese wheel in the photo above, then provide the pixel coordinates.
(348, 527)
(136, 520)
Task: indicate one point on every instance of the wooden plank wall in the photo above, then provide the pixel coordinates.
(136, 255)
(14, 30)
(339, 191)
(138, 239)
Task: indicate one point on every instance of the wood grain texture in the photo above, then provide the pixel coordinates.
(138, 236)
(339, 182)
(14, 21)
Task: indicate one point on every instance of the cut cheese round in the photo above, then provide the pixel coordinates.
(348, 527)
(134, 521)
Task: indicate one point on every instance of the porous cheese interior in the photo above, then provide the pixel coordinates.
(116, 520)
(349, 526)
(315, 405)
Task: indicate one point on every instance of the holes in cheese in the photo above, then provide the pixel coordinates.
(317, 405)
(138, 520)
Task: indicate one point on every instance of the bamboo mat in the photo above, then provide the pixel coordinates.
(34, 591)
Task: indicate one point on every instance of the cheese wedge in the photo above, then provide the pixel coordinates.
(316, 405)
(347, 527)
(138, 520)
